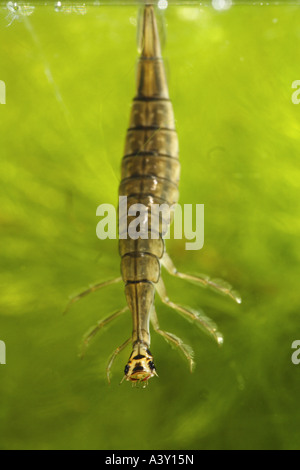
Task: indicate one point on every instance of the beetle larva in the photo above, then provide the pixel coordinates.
(150, 175)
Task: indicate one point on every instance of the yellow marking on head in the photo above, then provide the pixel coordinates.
(140, 366)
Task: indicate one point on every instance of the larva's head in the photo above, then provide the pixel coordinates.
(140, 366)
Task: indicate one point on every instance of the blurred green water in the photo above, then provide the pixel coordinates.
(70, 80)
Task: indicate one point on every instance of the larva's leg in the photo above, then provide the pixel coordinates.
(173, 340)
(91, 333)
(216, 284)
(198, 317)
(114, 355)
(90, 290)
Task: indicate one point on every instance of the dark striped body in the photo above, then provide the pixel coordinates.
(150, 175)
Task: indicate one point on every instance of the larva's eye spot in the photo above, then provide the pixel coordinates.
(151, 365)
(126, 369)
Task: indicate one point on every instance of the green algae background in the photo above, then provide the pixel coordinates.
(69, 81)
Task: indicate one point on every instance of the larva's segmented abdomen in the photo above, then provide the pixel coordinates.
(150, 166)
